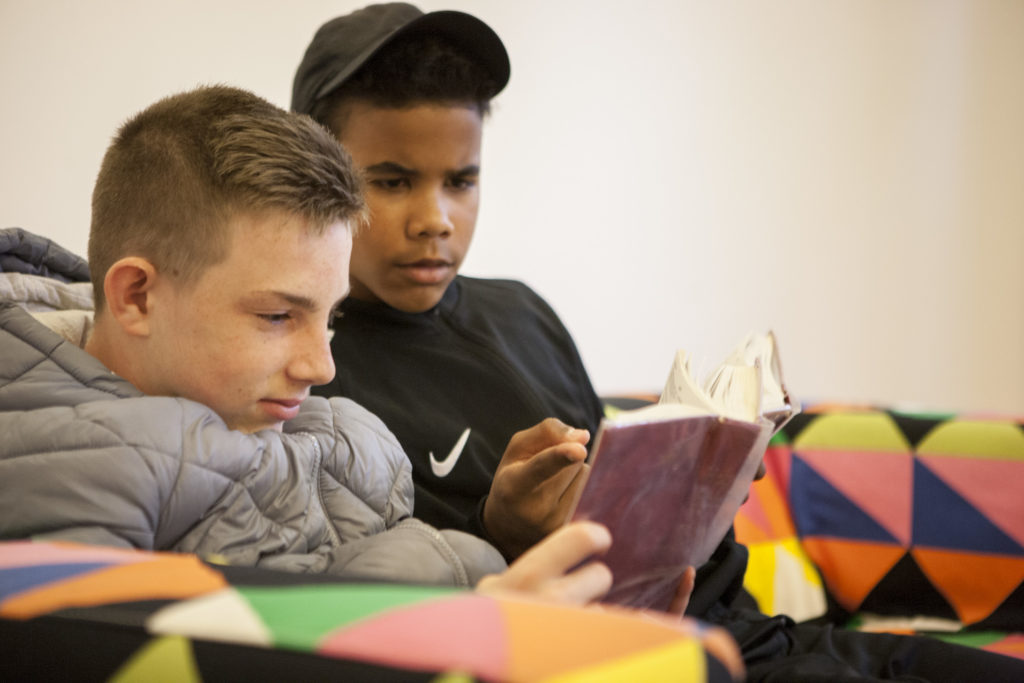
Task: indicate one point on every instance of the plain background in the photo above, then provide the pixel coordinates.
(667, 174)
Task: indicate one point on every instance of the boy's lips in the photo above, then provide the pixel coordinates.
(427, 271)
(282, 409)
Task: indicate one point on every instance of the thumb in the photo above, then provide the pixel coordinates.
(548, 432)
(551, 462)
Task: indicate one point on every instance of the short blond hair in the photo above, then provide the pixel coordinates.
(177, 172)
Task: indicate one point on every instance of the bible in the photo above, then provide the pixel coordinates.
(667, 479)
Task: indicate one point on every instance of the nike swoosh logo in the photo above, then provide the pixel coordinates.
(441, 468)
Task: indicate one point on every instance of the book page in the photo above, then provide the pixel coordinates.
(737, 389)
(682, 387)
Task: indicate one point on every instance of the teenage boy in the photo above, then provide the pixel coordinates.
(488, 358)
(457, 366)
(219, 251)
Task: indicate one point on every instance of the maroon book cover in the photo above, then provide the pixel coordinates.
(668, 491)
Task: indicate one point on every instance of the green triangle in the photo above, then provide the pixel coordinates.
(300, 616)
(167, 659)
(851, 431)
(971, 638)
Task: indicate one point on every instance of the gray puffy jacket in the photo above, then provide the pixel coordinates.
(85, 456)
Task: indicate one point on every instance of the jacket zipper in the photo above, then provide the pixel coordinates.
(316, 491)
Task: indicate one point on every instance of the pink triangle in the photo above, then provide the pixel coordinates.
(460, 633)
(778, 460)
(993, 487)
(27, 553)
(753, 509)
(878, 483)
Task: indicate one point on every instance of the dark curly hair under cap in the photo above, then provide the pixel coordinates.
(437, 56)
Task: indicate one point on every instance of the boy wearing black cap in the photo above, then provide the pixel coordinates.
(456, 366)
(423, 335)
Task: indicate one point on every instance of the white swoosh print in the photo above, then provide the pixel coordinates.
(441, 468)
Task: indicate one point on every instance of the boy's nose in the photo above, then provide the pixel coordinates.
(431, 217)
(313, 363)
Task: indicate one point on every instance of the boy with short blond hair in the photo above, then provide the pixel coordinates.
(220, 242)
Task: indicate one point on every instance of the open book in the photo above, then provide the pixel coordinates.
(667, 479)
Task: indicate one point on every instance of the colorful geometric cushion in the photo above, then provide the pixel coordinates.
(901, 514)
(398, 627)
(780, 575)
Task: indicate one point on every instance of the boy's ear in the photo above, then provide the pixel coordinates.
(127, 289)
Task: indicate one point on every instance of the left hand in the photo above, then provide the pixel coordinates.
(534, 485)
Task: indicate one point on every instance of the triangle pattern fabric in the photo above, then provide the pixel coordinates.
(851, 568)
(580, 639)
(877, 482)
(466, 628)
(162, 576)
(955, 574)
(751, 523)
(300, 616)
(169, 658)
(16, 580)
(984, 439)
(35, 553)
(916, 427)
(904, 590)
(993, 487)
(777, 465)
(224, 615)
(684, 659)
(797, 588)
(867, 430)
(943, 519)
(819, 509)
(1009, 615)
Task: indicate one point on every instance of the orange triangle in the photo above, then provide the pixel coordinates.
(851, 568)
(776, 509)
(752, 514)
(975, 584)
(748, 530)
(548, 640)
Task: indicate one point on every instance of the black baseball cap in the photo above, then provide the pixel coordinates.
(345, 43)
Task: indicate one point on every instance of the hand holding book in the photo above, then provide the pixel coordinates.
(667, 479)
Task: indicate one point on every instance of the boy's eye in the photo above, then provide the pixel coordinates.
(463, 182)
(390, 183)
(275, 318)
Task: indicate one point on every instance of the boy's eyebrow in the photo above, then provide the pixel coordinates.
(472, 169)
(389, 167)
(394, 168)
(296, 300)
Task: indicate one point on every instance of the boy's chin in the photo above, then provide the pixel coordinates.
(420, 300)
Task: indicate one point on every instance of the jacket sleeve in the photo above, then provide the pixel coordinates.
(103, 472)
(368, 497)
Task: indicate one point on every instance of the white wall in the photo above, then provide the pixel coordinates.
(668, 174)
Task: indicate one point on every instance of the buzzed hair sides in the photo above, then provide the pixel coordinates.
(180, 170)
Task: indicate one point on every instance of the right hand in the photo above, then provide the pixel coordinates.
(551, 570)
(535, 484)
